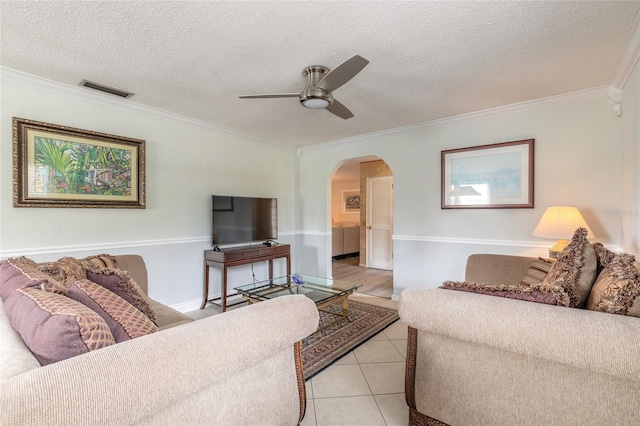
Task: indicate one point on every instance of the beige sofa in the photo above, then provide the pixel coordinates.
(476, 359)
(241, 367)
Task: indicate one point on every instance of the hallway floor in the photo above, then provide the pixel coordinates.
(375, 282)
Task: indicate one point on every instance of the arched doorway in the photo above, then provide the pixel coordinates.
(359, 208)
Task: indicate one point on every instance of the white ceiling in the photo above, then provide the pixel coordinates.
(428, 60)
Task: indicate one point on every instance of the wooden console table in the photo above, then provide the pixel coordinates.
(236, 256)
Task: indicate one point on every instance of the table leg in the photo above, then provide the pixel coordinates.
(223, 296)
(206, 286)
(271, 271)
(345, 308)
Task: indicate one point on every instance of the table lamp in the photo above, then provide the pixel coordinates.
(560, 223)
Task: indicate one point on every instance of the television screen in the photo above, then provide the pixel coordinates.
(243, 219)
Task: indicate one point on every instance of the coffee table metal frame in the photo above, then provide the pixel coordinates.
(323, 291)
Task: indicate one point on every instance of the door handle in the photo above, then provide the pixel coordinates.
(369, 227)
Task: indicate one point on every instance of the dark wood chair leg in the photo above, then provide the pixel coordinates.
(302, 390)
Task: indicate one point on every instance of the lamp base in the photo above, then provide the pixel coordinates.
(557, 248)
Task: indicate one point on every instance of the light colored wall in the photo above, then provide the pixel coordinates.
(577, 157)
(630, 124)
(186, 162)
(578, 161)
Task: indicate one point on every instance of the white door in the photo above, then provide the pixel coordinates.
(379, 222)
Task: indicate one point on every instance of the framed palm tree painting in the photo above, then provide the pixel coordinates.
(58, 166)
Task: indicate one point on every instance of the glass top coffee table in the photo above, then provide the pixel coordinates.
(323, 291)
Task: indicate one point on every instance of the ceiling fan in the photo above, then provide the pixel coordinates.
(320, 83)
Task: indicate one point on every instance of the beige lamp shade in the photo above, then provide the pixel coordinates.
(560, 223)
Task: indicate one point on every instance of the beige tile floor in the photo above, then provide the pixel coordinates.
(364, 387)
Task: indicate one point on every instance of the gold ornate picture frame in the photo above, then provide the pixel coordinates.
(58, 166)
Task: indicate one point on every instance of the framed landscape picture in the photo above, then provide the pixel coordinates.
(351, 201)
(58, 166)
(493, 176)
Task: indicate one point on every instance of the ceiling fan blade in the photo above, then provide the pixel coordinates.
(340, 110)
(271, 95)
(342, 73)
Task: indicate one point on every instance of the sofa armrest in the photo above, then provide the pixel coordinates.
(595, 341)
(497, 268)
(129, 381)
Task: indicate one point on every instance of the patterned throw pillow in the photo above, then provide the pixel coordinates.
(617, 289)
(55, 327)
(537, 271)
(22, 272)
(530, 293)
(67, 270)
(604, 255)
(125, 321)
(100, 261)
(124, 286)
(574, 271)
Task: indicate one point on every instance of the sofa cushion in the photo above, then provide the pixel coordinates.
(124, 286)
(15, 356)
(125, 320)
(22, 272)
(169, 317)
(55, 327)
(537, 272)
(617, 289)
(575, 269)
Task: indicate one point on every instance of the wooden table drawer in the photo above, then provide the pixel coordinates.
(245, 254)
(268, 251)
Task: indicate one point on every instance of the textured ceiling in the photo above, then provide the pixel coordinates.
(428, 60)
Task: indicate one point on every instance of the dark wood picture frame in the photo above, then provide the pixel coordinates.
(495, 176)
(59, 166)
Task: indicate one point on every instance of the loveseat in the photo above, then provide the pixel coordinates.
(478, 359)
(240, 367)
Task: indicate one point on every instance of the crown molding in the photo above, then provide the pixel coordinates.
(615, 95)
(630, 56)
(84, 94)
(565, 98)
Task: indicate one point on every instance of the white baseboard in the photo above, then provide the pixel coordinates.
(194, 304)
(188, 306)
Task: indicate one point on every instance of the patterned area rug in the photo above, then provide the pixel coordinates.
(321, 349)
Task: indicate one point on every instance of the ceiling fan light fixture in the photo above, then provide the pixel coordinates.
(320, 83)
(315, 103)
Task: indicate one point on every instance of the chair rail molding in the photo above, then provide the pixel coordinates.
(484, 242)
(36, 251)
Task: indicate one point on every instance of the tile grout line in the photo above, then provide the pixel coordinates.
(367, 381)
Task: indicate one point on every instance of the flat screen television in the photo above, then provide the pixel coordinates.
(243, 219)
